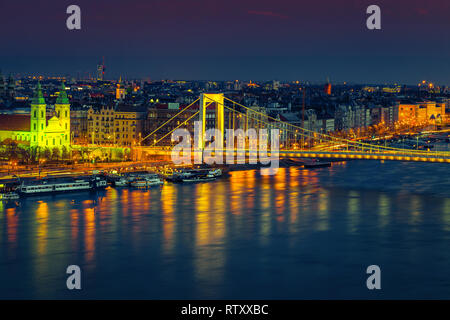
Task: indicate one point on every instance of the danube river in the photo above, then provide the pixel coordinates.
(299, 234)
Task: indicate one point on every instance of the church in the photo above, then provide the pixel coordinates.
(38, 129)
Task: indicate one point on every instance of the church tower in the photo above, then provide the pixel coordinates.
(62, 109)
(38, 118)
(120, 90)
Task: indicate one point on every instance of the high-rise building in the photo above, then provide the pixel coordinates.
(101, 70)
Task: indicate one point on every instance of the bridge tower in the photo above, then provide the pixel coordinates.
(206, 99)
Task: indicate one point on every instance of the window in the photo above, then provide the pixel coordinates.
(35, 113)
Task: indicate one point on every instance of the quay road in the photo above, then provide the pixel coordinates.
(76, 169)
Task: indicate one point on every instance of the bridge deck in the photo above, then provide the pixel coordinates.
(400, 156)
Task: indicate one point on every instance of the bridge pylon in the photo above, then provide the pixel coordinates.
(206, 99)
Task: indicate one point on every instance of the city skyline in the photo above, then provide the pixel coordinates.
(115, 75)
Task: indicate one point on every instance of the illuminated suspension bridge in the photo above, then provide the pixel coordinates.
(295, 141)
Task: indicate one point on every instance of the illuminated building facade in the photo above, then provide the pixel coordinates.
(422, 112)
(121, 125)
(38, 129)
(128, 124)
(101, 125)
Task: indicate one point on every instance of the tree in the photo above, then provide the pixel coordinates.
(47, 153)
(25, 155)
(55, 153)
(12, 150)
(119, 154)
(76, 154)
(84, 153)
(34, 153)
(64, 153)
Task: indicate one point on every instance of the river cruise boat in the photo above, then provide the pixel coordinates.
(60, 185)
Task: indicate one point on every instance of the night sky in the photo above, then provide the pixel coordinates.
(230, 39)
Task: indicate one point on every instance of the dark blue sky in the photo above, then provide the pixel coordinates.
(230, 39)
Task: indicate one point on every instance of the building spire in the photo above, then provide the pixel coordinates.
(62, 97)
(38, 96)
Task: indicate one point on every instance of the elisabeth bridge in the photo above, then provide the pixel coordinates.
(295, 141)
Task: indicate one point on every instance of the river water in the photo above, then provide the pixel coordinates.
(299, 234)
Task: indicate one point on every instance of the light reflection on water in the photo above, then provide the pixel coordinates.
(298, 234)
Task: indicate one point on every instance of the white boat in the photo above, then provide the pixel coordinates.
(216, 172)
(99, 182)
(121, 182)
(147, 181)
(199, 178)
(9, 196)
(195, 175)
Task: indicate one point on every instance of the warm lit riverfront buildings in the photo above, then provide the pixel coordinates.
(119, 113)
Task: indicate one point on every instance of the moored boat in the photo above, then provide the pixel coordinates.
(8, 190)
(60, 185)
(195, 175)
(316, 164)
(9, 196)
(121, 182)
(146, 181)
